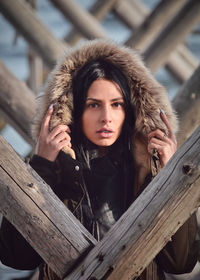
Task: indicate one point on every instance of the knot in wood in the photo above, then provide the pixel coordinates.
(100, 257)
(188, 169)
(30, 185)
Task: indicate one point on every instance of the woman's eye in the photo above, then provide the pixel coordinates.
(118, 104)
(93, 105)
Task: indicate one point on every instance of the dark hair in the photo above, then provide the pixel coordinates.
(91, 71)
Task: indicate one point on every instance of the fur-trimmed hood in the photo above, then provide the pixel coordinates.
(150, 97)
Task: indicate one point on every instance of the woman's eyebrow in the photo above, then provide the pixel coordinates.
(117, 99)
(93, 99)
(99, 100)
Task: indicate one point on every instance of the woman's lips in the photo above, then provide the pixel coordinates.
(105, 133)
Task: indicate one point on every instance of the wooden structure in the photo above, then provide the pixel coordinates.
(158, 212)
(161, 40)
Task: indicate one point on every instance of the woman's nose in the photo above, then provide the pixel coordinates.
(106, 115)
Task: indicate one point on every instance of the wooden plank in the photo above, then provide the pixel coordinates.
(98, 10)
(187, 105)
(81, 19)
(181, 63)
(151, 220)
(133, 13)
(17, 103)
(25, 20)
(32, 207)
(153, 23)
(172, 35)
(35, 79)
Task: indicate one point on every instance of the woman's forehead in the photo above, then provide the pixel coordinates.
(101, 88)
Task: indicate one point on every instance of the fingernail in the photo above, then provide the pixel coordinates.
(50, 106)
(162, 111)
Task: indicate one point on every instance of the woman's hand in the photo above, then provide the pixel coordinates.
(166, 145)
(51, 142)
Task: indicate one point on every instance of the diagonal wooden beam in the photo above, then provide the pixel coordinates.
(81, 19)
(44, 221)
(17, 103)
(139, 235)
(187, 105)
(131, 12)
(99, 9)
(32, 207)
(181, 63)
(153, 23)
(172, 35)
(25, 20)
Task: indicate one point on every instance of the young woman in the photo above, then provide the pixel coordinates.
(104, 130)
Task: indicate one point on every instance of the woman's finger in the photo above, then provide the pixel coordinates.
(157, 134)
(63, 144)
(59, 129)
(62, 136)
(46, 120)
(161, 142)
(164, 119)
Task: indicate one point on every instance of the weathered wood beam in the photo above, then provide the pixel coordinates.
(26, 190)
(33, 208)
(181, 66)
(36, 73)
(172, 35)
(98, 10)
(2, 123)
(187, 105)
(131, 12)
(26, 21)
(181, 63)
(139, 235)
(81, 19)
(129, 246)
(153, 24)
(35, 78)
(17, 103)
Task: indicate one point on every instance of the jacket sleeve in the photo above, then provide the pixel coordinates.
(47, 170)
(15, 251)
(180, 254)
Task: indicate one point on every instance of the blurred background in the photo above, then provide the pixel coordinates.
(26, 65)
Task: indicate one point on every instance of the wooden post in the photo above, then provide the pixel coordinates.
(187, 105)
(35, 79)
(172, 35)
(2, 123)
(98, 10)
(133, 13)
(17, 103)
(32, 207)
(181, 63)
(139, 235)
(25, 20)
(81, 19)
(153, 24)
(131, 243)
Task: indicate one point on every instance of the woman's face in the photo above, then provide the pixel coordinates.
(104, 113)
